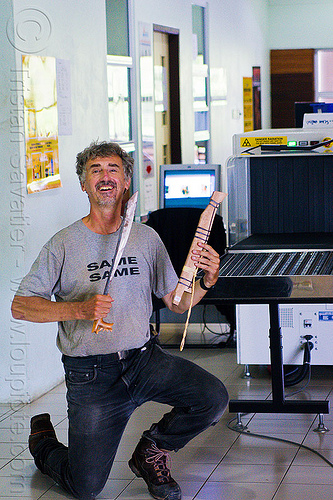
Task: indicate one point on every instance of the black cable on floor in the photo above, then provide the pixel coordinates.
(282, 440)
(301, 389)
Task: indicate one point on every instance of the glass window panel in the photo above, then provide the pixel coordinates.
(119, 105)
(199, 72)
(198, 27)
(147, 102)
(325, 71)
(324, 76)
(201, 120)
(117, 27)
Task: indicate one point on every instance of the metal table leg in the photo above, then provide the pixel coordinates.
(277, 404)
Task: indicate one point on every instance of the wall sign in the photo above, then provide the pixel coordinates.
(40, 123)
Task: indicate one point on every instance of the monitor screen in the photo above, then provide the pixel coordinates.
(188, 185)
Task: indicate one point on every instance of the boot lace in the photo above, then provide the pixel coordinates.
(159, 460)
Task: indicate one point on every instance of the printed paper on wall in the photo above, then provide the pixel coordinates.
(41, 123)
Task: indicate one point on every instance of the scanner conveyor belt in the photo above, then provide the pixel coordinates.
(310, 263)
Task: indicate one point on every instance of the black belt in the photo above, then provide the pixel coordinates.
(103, 359)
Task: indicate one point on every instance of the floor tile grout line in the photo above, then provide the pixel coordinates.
(299, 447)
(130, 482)
(44, 493)
(307, 448)
(219, 463)
(9, 413)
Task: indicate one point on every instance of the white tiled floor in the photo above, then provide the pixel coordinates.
(218, 464)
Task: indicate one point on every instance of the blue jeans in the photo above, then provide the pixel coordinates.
(103, 392)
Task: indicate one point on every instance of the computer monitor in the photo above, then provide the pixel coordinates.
(188, 185)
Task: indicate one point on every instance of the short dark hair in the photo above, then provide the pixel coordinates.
(102, 149)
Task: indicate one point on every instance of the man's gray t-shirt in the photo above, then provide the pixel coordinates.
(74, 265)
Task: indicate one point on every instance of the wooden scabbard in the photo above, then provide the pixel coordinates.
(201, 235)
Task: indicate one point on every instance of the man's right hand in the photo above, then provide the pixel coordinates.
(96, 307)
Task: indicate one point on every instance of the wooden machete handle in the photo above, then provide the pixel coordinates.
(100, 324)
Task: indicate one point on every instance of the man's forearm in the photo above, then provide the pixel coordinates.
(199, 294)
(40, 310)
(208, 260)
(185, 302)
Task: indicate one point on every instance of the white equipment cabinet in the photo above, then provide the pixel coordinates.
(296, 321)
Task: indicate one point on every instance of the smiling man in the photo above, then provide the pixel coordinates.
(110, 374)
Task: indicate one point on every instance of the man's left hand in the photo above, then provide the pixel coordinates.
(208, 260)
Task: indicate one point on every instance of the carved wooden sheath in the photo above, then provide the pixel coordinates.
(201, 235)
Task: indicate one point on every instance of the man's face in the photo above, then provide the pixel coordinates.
(105, 181)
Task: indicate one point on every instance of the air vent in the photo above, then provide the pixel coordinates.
(286, 317)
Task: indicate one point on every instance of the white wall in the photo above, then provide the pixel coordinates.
(238, 33)
(300, 24)
(74, 37)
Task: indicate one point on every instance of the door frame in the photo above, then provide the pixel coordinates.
(175, 138)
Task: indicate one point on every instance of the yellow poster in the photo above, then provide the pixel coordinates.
(247, 104)
(41, 123)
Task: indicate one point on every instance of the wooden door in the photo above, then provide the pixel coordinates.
(292, 80)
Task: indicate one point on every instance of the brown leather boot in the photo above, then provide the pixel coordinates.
(150, 463)
(41, 428)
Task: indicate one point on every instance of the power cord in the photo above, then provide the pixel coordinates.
(296, 376)
(299, 375)
(282, 440)
(226, 335)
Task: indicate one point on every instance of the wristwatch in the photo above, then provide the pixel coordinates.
(203, 286)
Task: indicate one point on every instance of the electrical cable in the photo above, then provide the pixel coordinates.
(205, 327)
(300, 373)
(282, 440)
(227, 335)
(292, 372)
(301, 388)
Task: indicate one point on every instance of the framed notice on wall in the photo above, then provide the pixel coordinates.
(41, 123)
